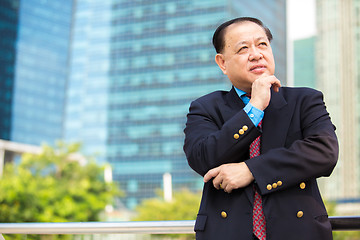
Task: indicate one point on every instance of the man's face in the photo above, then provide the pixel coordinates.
(247, 54)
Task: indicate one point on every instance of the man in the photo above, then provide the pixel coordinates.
(273, 195)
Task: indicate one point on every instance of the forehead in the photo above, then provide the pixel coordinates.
(243, 31)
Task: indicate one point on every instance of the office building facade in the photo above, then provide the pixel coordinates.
(338, 76)
(41, 71)
(304, 62)
(161, 60)
(133, 68)
(9, 15)
(35, 38)
(87, 89)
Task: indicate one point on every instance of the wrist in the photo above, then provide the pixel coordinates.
(257, 105)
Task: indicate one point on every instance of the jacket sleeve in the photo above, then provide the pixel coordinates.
(310, 156)
(211, 142)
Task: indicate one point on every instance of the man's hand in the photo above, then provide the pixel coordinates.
(260, 91)
(230, 176)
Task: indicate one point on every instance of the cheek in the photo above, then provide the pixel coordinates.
(273, 67)
(241, 63)
(271, 63)
(237, 65)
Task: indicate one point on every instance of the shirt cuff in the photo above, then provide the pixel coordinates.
(255, 114)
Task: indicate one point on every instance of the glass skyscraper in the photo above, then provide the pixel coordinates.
(119, 77)
(161, 58)
(338, 76)
(87, 90)
(9, 10)
(34, 45)
(304, 62)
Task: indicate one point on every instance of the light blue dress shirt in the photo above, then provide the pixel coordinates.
(255, 114)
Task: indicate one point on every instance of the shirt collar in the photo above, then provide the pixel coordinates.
(239, 92)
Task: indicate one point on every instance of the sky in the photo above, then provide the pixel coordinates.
(301, 17)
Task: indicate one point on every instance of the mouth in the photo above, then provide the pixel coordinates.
(258, 68)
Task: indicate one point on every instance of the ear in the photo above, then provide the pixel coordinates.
(220, 60)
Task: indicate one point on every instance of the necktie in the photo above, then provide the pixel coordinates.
(259, 224)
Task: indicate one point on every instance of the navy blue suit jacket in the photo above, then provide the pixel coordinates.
(298, 145)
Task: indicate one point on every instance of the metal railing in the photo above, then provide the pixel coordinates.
(347, 223)
(149, 227)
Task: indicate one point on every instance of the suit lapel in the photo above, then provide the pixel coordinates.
(276, 122)
(233, 104)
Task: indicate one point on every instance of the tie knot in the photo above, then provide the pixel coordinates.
(248, 95)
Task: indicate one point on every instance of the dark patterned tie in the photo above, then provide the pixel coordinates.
(259, 224)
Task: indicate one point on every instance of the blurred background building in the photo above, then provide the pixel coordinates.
(338, 76)
(330, 62)
(304, 62)
(34, 76)
(9, 17)
(86, 110)
(119, 77)
(135, 68)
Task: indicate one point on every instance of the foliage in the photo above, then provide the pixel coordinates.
(53, 187)
(184, 206)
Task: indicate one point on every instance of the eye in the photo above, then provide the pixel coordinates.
(242, 49)
(263, 44)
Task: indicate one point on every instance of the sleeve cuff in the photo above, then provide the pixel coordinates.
(255, 114)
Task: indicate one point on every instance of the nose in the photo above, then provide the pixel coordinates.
(255, 54)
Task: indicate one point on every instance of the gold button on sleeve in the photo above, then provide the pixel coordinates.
(241, 132)
(302, 185)
(236, 136)
(223, 214)
(269, 187)
(279, 183)
(300, 214)
(274, 185)
(245, 128)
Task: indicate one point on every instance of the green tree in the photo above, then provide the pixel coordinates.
(184, 206)
(54, 187)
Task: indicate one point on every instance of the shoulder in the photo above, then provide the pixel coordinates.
(300, 92)
(214, 102)
(214, 96)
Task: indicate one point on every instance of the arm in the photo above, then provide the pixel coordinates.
(209, 135)
(209, 138)
(311, 155)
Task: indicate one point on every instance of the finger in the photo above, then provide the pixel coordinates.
(276, 84)
(276, 87)
(227, 189)
(218, 183)
(211, 173)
